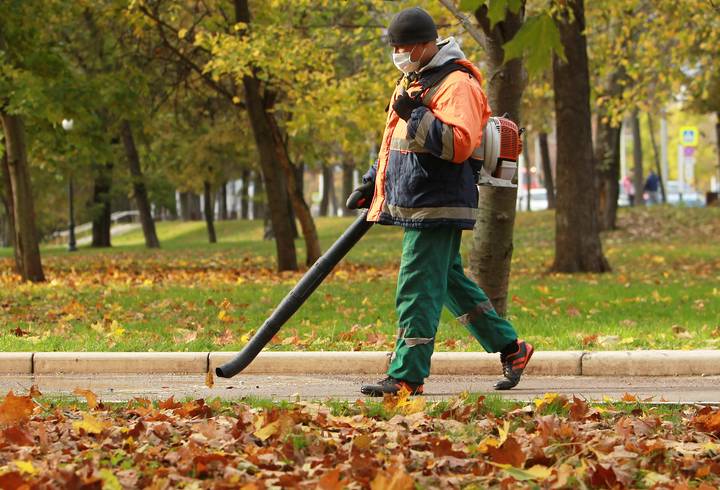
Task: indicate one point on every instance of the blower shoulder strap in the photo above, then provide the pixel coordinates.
(430, 81)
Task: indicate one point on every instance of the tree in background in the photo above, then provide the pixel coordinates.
(577, 234)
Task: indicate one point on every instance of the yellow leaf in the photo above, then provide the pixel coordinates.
(504, 431)
(547, 399)
(90, 424)
(110, 481)
(487, 443)
(25, 466)
(236, 100)
(268, 430)
(182, 33)
(540, 472)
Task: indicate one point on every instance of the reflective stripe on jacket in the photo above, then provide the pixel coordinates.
(422, 174)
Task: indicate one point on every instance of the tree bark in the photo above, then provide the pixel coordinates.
(209, 211)
(27, 248)
(102, 219)
(259, 197)
(139, 190)
(638, 177)
(656, 155)
(222, 201)
(548, 178)
(185, 206)
(528, 173)
(325, 199)
(299, 206)
(348, 169)
(244, 195)
(276, 182)
(10, 212)
(717, 142)
(577, 235)
(492, 247)
(607, 164)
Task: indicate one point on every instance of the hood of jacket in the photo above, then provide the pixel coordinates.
(449, 50)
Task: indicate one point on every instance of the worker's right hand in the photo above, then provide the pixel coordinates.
(362, 196)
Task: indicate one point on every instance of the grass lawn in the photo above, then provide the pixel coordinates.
(664, 291)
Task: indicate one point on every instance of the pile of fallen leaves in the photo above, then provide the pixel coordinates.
(552, 443)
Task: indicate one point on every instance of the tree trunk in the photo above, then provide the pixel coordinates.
(492, 247)
(717, 143)
(528, 173)
(209, 211)
(300, 207)
(10, 212)
(26, 239)
(656, 155)
(638, 177)
(222, 201)
(244, 195)
(102, 219)
(348, 169)
(185, 206)
(139, 190)
(325, 199)
(274, 175)
(259, 197)
(577, 235)
(548, 179)
(607, 164)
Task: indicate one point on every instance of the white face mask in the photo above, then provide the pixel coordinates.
(404, 62)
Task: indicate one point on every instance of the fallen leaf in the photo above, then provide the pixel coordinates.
(15, 409)
(90, 424)
(510, 452)
(18, 436)
(331, 481)
(25, 467)
(89, 396)
(396, 479)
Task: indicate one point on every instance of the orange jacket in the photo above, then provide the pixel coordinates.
(422, 175)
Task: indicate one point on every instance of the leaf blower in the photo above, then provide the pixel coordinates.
(301, 292)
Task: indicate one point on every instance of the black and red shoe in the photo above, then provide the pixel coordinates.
(391, 386)
(514, 364)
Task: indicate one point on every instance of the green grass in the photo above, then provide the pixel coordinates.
(664, 291)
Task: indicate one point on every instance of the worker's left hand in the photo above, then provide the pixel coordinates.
(405, 104)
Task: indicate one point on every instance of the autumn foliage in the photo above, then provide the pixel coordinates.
(400, 444)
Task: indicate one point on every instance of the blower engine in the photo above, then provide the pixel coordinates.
(495, 160)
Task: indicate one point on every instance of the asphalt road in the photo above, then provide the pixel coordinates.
(697, 389)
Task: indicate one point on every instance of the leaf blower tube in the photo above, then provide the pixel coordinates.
(301, 292)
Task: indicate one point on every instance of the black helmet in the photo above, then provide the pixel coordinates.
(411, 26)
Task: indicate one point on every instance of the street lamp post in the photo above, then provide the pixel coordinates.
(67, 125)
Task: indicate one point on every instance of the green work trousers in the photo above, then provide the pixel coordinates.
(431, 275)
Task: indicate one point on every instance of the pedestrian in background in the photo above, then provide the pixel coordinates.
(652, 187)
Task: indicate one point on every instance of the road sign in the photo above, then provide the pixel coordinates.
(689, 135)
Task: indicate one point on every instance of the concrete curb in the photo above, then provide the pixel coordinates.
(119, 362)
(652, 363)
(16, 362)
(544, 363)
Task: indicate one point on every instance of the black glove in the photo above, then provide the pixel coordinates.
(405, 104)
(362, 196)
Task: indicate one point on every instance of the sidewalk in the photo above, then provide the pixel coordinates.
(117, 387)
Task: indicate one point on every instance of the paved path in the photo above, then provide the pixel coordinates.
(124, 387)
